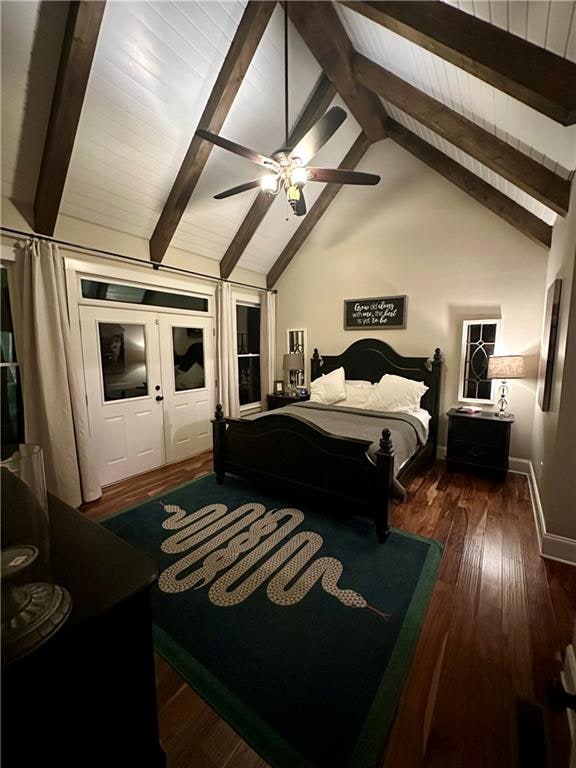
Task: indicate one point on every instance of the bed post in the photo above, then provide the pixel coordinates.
(219, 443)
(436, 376)
(385, 478)
(315, 369)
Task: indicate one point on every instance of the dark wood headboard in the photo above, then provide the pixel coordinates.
(370, 359)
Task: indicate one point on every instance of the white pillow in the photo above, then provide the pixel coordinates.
(329, 388)
(358, 383)
(395, 393)
(356, 396)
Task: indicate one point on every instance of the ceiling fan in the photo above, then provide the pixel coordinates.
(288, 168)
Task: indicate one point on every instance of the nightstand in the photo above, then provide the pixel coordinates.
(478, 441)
(279, 401)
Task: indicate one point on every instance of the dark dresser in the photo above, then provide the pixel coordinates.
(479, 441)
(279, 401)
(87, 697)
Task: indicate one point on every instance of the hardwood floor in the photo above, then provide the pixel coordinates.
(499, 618)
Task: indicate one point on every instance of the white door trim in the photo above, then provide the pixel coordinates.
(100, 269)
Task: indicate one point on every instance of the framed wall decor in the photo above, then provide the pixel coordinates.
(386, 312)
(548, 350)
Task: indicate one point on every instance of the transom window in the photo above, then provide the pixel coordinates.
(133, 294)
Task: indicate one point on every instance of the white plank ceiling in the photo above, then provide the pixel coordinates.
(535, 134)
(550, 24)
(28, 75)
(255, 120)
(154, 68)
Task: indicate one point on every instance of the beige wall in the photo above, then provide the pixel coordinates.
(554, 433)
(95, 236)
(417, 234)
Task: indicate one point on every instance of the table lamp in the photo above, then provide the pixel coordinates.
(505, 367)
(293, 361)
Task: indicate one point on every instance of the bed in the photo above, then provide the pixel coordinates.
(330, 465)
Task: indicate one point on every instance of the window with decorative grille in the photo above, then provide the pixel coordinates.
(479, 339)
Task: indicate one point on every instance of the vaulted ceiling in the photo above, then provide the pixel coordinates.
(143, 76)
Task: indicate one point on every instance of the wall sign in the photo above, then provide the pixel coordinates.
(384, 312)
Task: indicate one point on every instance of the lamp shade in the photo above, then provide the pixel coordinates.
(506, 367)
(293, 362)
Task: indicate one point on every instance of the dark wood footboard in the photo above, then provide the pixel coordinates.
(291, 455)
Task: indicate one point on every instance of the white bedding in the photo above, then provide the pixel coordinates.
(423, 416)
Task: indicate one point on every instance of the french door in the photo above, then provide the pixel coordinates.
(150, 387)
(187, 366)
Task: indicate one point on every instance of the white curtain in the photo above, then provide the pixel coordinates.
(228, 393)
(267, 344)
(55, 412)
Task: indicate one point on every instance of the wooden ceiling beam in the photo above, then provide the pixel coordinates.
(316, 106)
(533, 75)
(315, 213)
(78, 47)
(520, 218)
(323, 33)
(246, 40)
(532, 177)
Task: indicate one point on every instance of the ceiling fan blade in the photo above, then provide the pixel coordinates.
(318, 135)
(236, 190)
(341, 176)
(238, 149)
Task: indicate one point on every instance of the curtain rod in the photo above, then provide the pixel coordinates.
(140, 262)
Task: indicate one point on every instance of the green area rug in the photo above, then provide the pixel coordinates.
(297, 627)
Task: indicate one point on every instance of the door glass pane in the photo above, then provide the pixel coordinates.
(188, 349)
(123, 354)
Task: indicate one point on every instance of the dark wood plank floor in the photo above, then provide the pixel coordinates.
(499, 618)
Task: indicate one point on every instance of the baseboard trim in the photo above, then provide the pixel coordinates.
(568, 677)
(519, 466)
(551, 546)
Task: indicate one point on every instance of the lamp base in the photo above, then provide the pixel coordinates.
(31, 612)
(502, 401)
(44, 608)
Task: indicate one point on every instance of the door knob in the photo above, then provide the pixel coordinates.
(159, 398)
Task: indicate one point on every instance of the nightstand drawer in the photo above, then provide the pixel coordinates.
(476, 453)
(481, 431)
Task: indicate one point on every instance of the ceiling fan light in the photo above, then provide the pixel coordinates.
(269, 184)
(298, 176)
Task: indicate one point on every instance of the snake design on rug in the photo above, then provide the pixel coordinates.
(235, 542)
